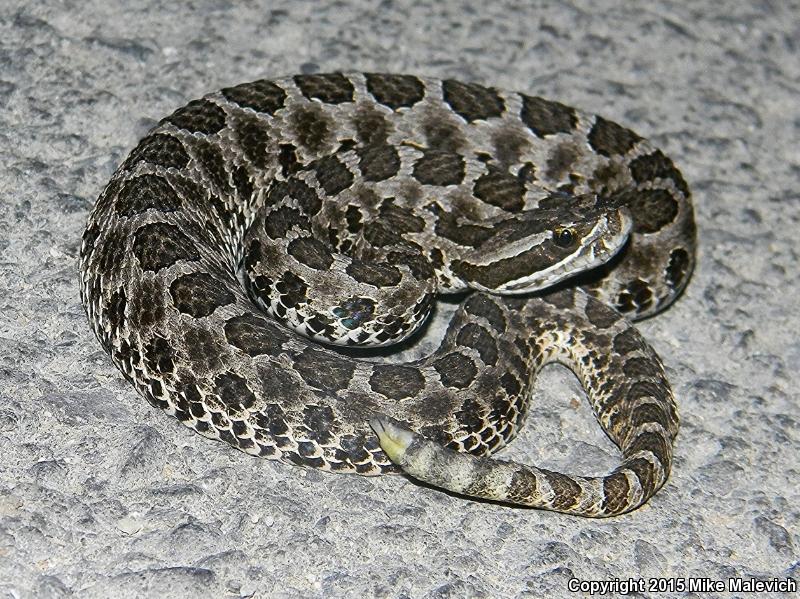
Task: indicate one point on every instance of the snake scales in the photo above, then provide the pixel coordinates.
(344, 203)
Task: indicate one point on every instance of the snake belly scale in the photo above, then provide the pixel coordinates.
(341, 205)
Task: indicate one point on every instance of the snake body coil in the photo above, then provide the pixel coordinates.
(346, 203)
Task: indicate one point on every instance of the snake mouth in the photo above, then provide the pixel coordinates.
(597, 247)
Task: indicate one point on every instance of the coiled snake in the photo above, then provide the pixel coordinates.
(343, 203)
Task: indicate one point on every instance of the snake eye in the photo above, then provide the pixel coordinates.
(564, 237)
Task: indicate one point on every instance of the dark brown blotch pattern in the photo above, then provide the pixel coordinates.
(395, 91)
(253, 138)
(324, 370)
(483, 305)
(545, 117)
(651, 209)
(417, 263)
(107, 260)
(310, 252)
(379, 162)
(646, 473)
(561, 300)
(279, 221)
(627, 341)
(271, 417)
(147, 306)
(500, 188)
(649, 412)
(439, 167)
(312, 127)
(678, 267)
(561, 161)
(115, 309)
(510, 384)
(198, 116)
(210, 158)
(199, 294)
(566, 491)
(318, 422)
(522, 486)
(332, 88)
(396, 382)
(310, 203)
(205, 349)
(371, 125)
(379, 275)
(609, 139)
(160, 245)
(400, 219)
(262, 96)
(636, 367)
(635, 296)
(466, 234)
(146, 192)
(356, 447)
(233, 391)
(657, 165)
(470, 417)
(159, 149)
(456, 370)
(254, 336)
(652, 442)
(505, 270)
(472, 101)
(243, 183)
(292, 290)
(332, 175)
(600, 315)
(615, 492)
(442, 130)
(192, 193)
(475, 336)
(655, 387)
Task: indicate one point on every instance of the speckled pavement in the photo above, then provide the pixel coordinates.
(103, 496)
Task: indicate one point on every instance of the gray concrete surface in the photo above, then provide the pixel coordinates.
(102, 496)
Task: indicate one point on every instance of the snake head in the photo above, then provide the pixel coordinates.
(536, 249)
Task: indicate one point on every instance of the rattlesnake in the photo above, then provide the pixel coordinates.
(344, 203)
